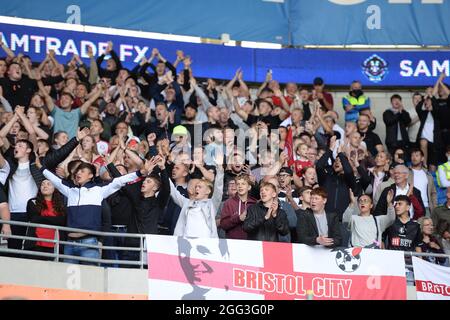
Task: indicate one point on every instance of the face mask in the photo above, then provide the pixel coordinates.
(357, 93)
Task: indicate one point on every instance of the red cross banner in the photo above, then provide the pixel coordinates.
(219, 269)
(432, 281)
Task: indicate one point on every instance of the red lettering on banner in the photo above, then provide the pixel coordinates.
(318, 287)
(251, 281)
(238, 278)
(431, 287)
(269, 282)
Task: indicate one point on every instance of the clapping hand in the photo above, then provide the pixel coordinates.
(82, 133)
(109, 47)
(390, 197)
(149, 165)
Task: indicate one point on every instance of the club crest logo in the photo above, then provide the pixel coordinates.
(375, 68)
(348, 260)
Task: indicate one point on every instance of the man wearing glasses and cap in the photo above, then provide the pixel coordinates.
(287, 193)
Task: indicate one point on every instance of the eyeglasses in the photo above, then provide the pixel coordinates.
(363, 201)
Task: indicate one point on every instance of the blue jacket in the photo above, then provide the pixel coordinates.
(84, 204)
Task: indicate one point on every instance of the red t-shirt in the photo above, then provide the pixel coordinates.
(326, 96)
(44, 233)
(300, 164)
(277, 101)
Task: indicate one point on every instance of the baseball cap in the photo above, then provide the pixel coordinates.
(318, 81)
(180, 130)
(286, 170)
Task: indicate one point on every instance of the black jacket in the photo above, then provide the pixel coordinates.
(337, 185)
(423, 114)
(109, 74)
(382, 205)
(55, 157)
(20, 92)
(258, 228)
(147, 211)
(307, 231)
(392, 120)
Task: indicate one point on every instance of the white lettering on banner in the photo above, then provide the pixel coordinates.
(406, 68)
(140, 53)
(424, 69)
(374, 21)
(19, 43)
(75, 14)
(124, 51)
(70, 48)
(102, 48)
(84, 48)
(439, 68)
(37, 42)
(53, 44)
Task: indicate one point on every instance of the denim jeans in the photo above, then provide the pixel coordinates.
(84, 252)
(114, 242)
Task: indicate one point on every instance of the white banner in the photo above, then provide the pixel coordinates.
(432, 280)
(222, 269)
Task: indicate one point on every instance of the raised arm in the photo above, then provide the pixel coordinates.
(8, 51)
(239, 111)
(57, 182)
(92, 99)
(164, 190)
(118, 183)
(48, 100)
(437, 84)
(218, 187)
(177, 197)
(7, 127)
(93, 67)
(205, 101)
(265, 83)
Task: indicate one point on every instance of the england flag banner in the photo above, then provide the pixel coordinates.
(432, 281)
(195, 269)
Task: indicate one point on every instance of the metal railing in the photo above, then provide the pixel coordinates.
(58, 256)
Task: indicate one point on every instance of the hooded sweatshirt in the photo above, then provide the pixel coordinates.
(229, 219)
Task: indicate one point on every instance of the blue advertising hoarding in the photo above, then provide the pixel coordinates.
(337, 67)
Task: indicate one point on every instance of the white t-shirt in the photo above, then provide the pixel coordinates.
(421, 183)
(21, 188)
(196, 224)
(428, 128)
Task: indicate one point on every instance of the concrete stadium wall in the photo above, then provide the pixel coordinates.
(127, 283)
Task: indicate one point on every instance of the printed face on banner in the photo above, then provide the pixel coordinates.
(198, 271)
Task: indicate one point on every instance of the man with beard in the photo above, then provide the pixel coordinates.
(372, 140)
(18, 88)
(67, 119)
